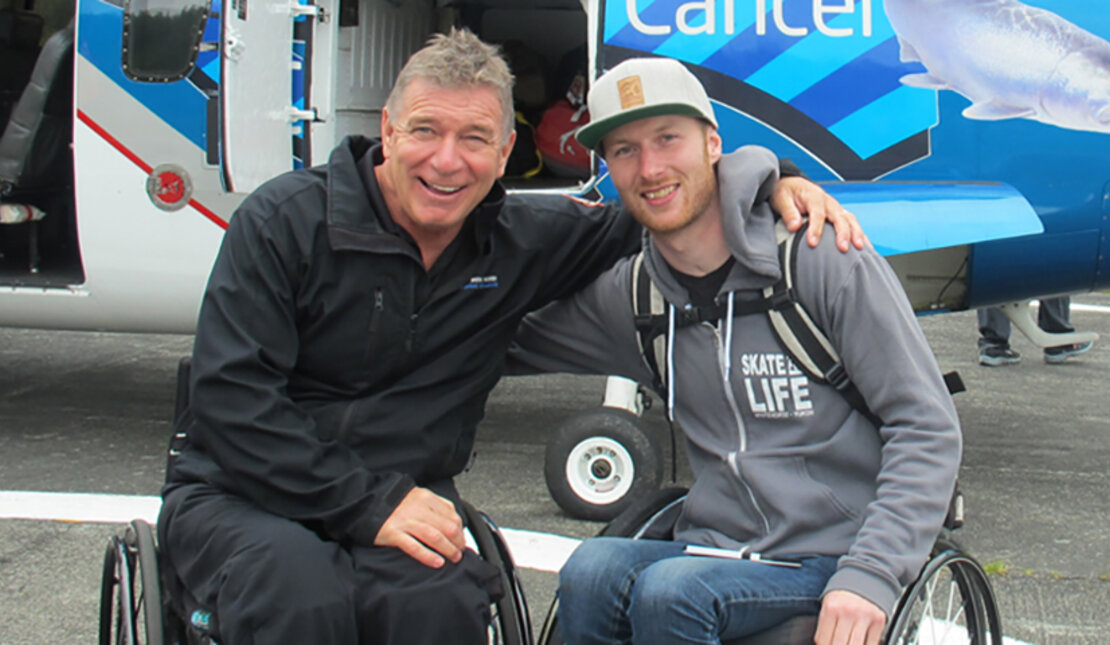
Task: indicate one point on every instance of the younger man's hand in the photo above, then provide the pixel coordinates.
(849, 619)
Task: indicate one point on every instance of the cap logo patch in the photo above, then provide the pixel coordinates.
(631, 92)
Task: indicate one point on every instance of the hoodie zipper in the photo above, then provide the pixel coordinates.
(732, 456)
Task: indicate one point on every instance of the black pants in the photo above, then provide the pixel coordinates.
(270, 580)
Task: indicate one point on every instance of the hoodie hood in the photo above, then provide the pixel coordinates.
(745, 179)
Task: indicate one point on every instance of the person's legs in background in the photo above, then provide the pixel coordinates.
(994, 339)
(1053, 316)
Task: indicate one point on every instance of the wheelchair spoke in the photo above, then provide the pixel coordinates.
(953, 621)
(139, 609)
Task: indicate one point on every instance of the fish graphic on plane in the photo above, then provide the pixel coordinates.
(1012, 60)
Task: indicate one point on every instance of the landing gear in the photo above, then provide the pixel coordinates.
(599, 460)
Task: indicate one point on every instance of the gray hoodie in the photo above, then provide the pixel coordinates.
(783, 465)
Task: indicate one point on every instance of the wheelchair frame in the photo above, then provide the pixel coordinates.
(952, 591)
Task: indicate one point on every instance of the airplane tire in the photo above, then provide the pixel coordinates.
(598, 461)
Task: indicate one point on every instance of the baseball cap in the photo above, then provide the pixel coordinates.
(639, 88)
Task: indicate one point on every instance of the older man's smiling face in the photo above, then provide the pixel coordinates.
(443, 153)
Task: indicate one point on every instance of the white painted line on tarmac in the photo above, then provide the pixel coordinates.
(77, 507)
(539, 551)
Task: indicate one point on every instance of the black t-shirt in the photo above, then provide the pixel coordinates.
(703, 290)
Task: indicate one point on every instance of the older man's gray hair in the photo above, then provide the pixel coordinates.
(458, 59)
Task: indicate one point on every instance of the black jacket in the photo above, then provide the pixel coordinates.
(330, 374)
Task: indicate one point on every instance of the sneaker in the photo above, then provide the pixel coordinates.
(1062, 353)
(998, 355)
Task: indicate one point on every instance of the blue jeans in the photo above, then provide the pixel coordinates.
(619, 590)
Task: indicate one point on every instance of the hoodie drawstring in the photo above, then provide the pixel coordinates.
(670, 361)
(728, 336)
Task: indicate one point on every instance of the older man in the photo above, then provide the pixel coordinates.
(355, 321)
(802, 503)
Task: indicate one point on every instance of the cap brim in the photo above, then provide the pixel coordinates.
(591, 134)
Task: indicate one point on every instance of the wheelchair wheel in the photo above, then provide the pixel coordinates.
(510, 624)
(130, 591)
(950, 602)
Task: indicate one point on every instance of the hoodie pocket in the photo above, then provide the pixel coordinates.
(792, 500)
(720, 503)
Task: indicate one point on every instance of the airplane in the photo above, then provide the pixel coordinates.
(968, 136)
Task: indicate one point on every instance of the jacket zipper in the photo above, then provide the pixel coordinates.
(375, 322)
(379, 307)
(412, 332)
(732, 463)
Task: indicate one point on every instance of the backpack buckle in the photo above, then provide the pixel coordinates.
(783, 299)
(838, 377)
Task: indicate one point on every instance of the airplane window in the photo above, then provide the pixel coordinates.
(161, 38)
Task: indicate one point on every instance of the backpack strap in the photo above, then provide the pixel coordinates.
(794, 328)
(650, 311)
(801, 337)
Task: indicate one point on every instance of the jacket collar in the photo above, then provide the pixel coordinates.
(357, 217)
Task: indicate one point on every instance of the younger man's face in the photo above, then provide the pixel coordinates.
(662, 167)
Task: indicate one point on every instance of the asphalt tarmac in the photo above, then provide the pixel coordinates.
(89, 412)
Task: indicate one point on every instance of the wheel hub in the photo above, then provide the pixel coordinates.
(600, 470)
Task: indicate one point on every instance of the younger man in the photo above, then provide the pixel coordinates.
(784, 466)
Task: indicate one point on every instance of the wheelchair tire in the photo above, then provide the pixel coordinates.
(598, 461)
(108, 582)
(951, 599)
(130, 591)
(512, 625)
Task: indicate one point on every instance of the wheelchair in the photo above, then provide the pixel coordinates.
(951, 601)
(143, 603)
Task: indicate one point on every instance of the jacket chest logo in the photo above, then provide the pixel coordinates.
(481, 282)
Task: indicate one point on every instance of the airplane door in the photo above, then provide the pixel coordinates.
(262, 60)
